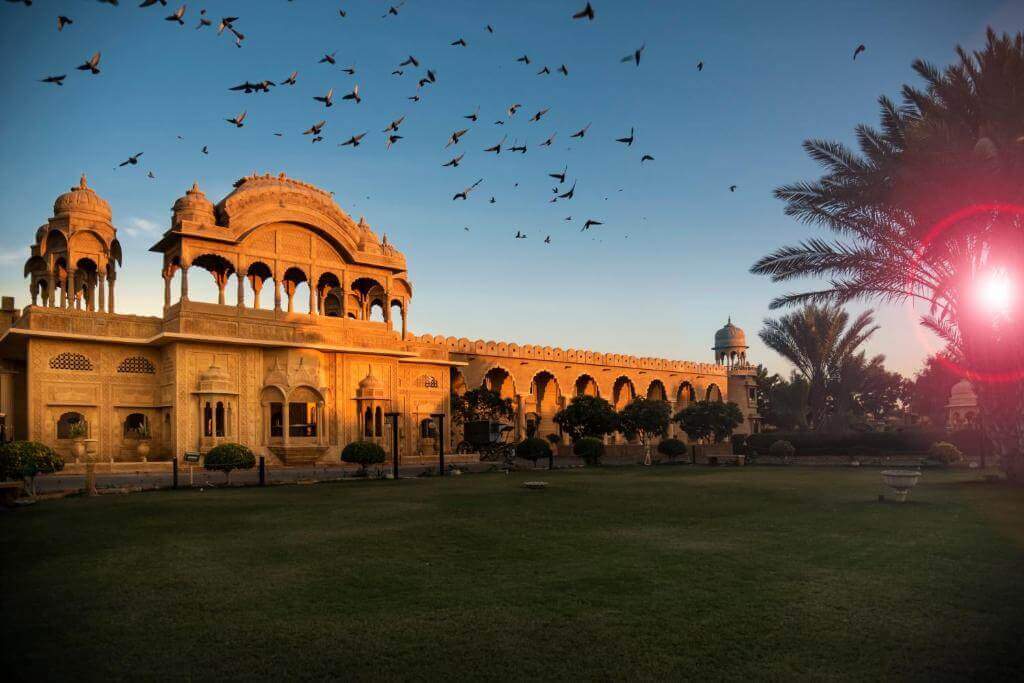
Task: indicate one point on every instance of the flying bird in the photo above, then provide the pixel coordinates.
(392, 139)
(63, 21)
(455, 162)
(328, 58)
(315, 128)
(411, 60)
(590, 223)
(492, 200)
(397, 72)
(393, 126)
(291, 79)
(860, 48)
(544, 71)
(570, 194)
(342, 13)
(247, 87)
(237, 120)
(513, 109)
(560, 177)
(473, 117)
(732, 188)
(581, 132)
(414, 98)
(133, 160)
(563, 70)
(354, 140)
(518, 148)
(460, 42)
(549, 141)
(92, 65)
(524, 59)
(205, 150)
(536, 117)
(316, 139)
(151, 176)
(489, 28)
(627, 141)
(327, 99)
(700, 65)
(150, 3)
(354, 95)
(465, 193)
(431, 77)
(56, 80)
(646, 157)
(520, 236)
(454, 139)
(585, 13)
(203, 20)
(393, 10)
(177, 16)
(497, 148)
(635, 56)
(547, 240)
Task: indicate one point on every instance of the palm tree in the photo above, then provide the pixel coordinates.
(931, 207)
(817, 341)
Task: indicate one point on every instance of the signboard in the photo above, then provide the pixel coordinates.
(191, 457)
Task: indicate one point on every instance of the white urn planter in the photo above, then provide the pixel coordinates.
(901, 481)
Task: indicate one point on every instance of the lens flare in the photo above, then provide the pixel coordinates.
(996, 292)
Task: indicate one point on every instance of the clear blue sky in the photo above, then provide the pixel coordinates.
(658, 278)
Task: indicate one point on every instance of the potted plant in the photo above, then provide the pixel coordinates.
(142, 434)
(78, 431)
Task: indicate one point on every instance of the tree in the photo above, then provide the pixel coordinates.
(229, 456)
(930, 211)
(781, 403)
(929, 391)
(587, 416)
(861, 387)
(644, 419)
(363, 453)
(533, 449)
(709, 419)
(481, 404)
(27, 459)
(817, 341)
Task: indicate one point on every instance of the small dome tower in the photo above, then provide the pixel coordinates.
(730, 345)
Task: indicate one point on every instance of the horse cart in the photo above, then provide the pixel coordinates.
(492, 440)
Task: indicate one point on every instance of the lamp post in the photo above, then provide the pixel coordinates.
(394, 441)
(440, 440)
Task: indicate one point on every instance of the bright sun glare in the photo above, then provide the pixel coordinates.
(996, 291)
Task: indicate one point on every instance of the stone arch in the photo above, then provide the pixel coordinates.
(586, 385)
(685, 394)
(498, 378)
(623, 392)
(458, 382)
(656, 390)
(219, 267)
(258, 273)
(713, 393)
(329, 296)
(364, 293)
(293, 280)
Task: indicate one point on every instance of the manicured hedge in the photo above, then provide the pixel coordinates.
(850, 443)
(590, 449)
(672, 448)
(533, 449)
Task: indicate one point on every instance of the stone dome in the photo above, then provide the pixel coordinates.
(194, 206)
(82, 199)
(214, 379)
(371, 386)
(962, 394)
(730, 336)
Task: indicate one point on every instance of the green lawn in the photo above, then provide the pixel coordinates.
(610, 573)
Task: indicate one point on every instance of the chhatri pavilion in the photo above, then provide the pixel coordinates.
(306, 349)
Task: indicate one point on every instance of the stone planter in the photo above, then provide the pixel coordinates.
(901, 481)
(78, 448)
(143, 448)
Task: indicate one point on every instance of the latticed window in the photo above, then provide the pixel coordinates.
(70, 361)
(429, 381)
(136, 365)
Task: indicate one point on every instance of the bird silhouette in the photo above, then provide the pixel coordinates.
(585, 13)
(247, 87)
(151, 176)
(489, 28)
(393, 10)
(560, 177)
(564, 70)
(393, 126)
(392, 139)
(454, 139)
(732, 188)
(291, 79)
(63, 21)
(414, 98)
(544, 71)
(496, 148)
(353, 141)
(131, 160)
(92, 65)
(342, 13)
(150, 3)
(315, 128)
(205, 150)
(177, 16)
(860, 48)
(56, 80)
(397, 72)
(513, 109)
(581, 132)
(237, 121)
(455, 161)
(327, 99)
(350, 70)
(547, 240)
(549, 141)
(460, 42)
(329, 59)
(473, 117)
(203, 20)
(646, 157)
(520, 236)
(635, 57)
(524, 59)
(700, 65)
(354, 95)
(518, 148)
(411, 60)
(464, 195)
(590, 223)
(570, 194)
(431, 77)
(492, 200)
(627, 141)
(538, 115)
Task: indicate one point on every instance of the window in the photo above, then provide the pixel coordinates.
(429, 381)
(135, 426)
(219, 419)
(752, 394)
(301, 419)
(428, 430)
(207, 420)
(368, 423)
(378, 422)
(70, 361)
(276, 420)
(71, 425)
(136, 365)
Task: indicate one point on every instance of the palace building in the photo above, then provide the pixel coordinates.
(306, 349)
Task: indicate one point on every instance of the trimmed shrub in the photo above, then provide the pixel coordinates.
(26, 459)
(533, 449)
(739, 444)
(782, 449)
(672, 448)
(229, 456)
(826, 443)
(945, 452)
(553, 439)
(363, 453)
(590, 449)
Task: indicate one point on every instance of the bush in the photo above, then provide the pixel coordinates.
(827, 443)
(26, 459)
(229, 456)
(363, 453)
(782, 449)
(672, 448)
(590, 449)
(533, 449)
(739, 444)
(554, 439)
(945, 452)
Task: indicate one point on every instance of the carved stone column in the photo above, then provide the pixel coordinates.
(277, 295)
(184, 283)
(167, 289)
(101, 283)
(110, 295)
(241, 290)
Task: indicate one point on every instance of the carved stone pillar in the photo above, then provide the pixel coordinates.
(184, 283)
(69, 289)
(101, 283)
(110, 295)
(241, 290)
(34, 289)
(167, 289)
(312, 299)
(405, 320)
(277, 295)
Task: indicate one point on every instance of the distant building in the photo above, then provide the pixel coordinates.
(962, 409)
(296, 374)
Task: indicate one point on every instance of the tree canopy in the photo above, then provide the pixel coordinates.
(709, 419)
(587, 416)
(481, 404)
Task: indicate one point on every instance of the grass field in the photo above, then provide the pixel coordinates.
(617, 573)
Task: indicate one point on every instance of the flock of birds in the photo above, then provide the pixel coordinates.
(229, 25)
